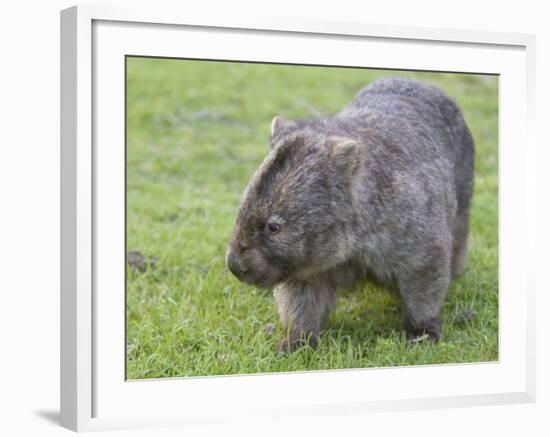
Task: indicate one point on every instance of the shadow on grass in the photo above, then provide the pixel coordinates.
(364, 333)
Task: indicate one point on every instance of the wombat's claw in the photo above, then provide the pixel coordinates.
(269, 329)
(426, 336)
(429, 330)
(420, 338)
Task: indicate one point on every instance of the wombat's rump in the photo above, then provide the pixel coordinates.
(382, 187)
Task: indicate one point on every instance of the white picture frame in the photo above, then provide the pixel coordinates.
(94, 393)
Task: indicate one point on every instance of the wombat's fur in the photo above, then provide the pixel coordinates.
(383, 187)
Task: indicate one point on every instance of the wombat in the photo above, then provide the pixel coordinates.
(382, 188)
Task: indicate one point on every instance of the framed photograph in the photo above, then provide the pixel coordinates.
(269, 218)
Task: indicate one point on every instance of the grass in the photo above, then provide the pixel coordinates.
(196, 131)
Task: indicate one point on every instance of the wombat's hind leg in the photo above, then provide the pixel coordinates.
(422, 295)
(303, 308)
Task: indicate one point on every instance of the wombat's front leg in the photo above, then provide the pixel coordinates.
(422, 294)
(303, 308)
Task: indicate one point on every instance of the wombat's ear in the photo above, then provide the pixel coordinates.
(345, 154)
(280, 125)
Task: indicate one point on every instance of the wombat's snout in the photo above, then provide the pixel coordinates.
(250, 267)
(235, 265)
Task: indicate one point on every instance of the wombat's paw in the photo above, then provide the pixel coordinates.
(293, 342)
(426, 330)
(286, 345)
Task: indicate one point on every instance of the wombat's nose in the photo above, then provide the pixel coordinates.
(234, 265)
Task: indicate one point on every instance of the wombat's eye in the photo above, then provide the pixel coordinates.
(273, 227)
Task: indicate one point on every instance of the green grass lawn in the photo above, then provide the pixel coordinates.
(196, 131)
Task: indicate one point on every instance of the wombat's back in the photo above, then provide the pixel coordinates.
(402, 104)
(420, 118)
